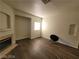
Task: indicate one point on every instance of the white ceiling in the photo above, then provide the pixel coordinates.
(36, 7)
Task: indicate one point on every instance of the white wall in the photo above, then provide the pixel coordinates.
(58, 23)
(22, 27)
(34, 34)
(8, 10)
(78, 36)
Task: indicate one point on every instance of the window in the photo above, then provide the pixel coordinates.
(36, 25)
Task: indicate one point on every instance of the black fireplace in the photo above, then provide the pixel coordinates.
(5, 43)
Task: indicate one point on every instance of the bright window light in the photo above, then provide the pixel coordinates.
(36, 26)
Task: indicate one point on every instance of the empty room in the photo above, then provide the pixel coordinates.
(39, 29)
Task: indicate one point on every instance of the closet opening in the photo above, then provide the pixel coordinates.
(22, 27)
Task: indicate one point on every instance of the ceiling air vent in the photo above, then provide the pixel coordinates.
(45, 1)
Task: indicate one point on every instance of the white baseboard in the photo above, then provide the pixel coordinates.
(65, 43)
(21, 38)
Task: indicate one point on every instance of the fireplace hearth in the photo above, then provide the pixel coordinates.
(5, 43)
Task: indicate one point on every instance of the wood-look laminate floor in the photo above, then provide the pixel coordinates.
(43, 49)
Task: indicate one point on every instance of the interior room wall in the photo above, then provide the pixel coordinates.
(22, 27)
(78, 36)
(58, 23)
(8, 10)
(34, 34)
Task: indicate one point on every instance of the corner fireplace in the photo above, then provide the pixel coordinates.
(5, 43)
